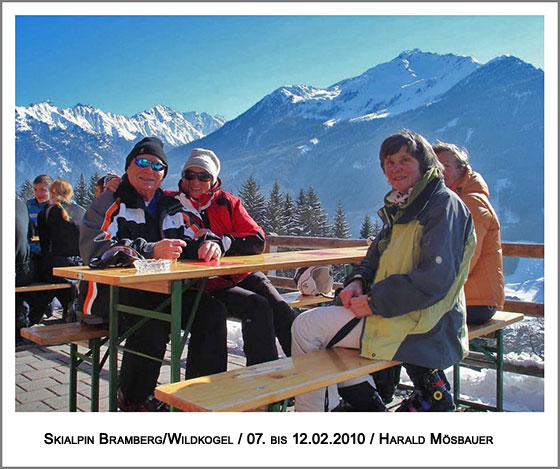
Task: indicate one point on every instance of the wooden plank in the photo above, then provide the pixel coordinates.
(56, 334)
(266, 383)
(525, 307)
(530, 250)
(500, 320)
(311, 242)
(535, 251)
(297, 300)
(42, 287)
(180, 270)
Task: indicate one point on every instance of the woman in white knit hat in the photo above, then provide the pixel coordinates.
(220, 217)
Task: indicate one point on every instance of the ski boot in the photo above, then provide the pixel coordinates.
(431, 395)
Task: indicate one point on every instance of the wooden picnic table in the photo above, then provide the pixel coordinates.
(184, 275)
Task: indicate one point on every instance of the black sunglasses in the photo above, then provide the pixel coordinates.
(145, 162)
(203, 176)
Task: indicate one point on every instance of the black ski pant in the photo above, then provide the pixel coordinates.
(264, 316)
(207, 349)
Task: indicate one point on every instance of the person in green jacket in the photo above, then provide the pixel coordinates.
(405, 300)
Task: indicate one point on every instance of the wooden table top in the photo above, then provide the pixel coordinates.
(186, 269)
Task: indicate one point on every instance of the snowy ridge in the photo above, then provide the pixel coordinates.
(172, 127)
(411, 80)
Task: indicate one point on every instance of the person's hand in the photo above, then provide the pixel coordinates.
(350, 291)
(359, 305)
(209, 250)
(200, 233)
(169, 248)
(112, 181)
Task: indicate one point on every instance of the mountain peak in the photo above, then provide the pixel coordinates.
(410, 53)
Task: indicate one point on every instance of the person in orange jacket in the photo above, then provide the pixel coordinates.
(484, 289)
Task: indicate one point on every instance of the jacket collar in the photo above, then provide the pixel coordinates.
(204, 201)
(130, 196)
(417, 199)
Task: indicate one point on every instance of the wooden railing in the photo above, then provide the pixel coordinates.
(527, 250)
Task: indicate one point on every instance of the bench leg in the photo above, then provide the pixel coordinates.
(95, 370)
(278, 406)
(500, 371)
(73, 382)
(456, 383)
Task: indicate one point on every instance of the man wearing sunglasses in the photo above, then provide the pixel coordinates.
(141, 216)
(216, 215)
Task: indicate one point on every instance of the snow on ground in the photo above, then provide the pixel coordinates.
(521, 393)
(527, 282)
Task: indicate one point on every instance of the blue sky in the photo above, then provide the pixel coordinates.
(225, 64)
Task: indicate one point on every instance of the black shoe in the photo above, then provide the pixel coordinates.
(386, 382)
(361, 397)
(431, 393)
(417, 402)
(150, 404)
(375, 405)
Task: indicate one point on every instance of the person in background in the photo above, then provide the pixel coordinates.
(405, 299)
(213, 212)
(139, 216)
(99, 186)
(25, 267)
(41, 186)
(484, 289)
(109, 181)
(58, 225)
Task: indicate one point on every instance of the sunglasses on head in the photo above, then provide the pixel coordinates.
(203, 176)
(145, 162)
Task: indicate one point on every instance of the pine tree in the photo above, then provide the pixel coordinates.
(289, 216)
(341, 228)
(369, 229)
(26, 190)
(92, 188)
(376, 229)
(253, 200)
(318, 218)
(301, 215)
(274, 222)
(80, 192)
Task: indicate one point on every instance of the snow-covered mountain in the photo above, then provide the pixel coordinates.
(301, 136)
(329, 138)
(410, 80)
(83, 139)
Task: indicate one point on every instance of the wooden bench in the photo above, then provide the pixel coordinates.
(246, 388)
(298, 300)
(72, 333)
(267, 383)
(38, 286)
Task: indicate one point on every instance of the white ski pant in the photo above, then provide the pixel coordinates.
(313, 330)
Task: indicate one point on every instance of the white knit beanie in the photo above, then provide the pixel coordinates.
(206, 159)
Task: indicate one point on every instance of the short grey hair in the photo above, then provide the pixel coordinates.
(461, 155)
(417, 146)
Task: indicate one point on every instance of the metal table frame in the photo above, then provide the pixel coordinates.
(178, 341)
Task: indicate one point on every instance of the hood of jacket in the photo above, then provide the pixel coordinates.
(471, 183)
